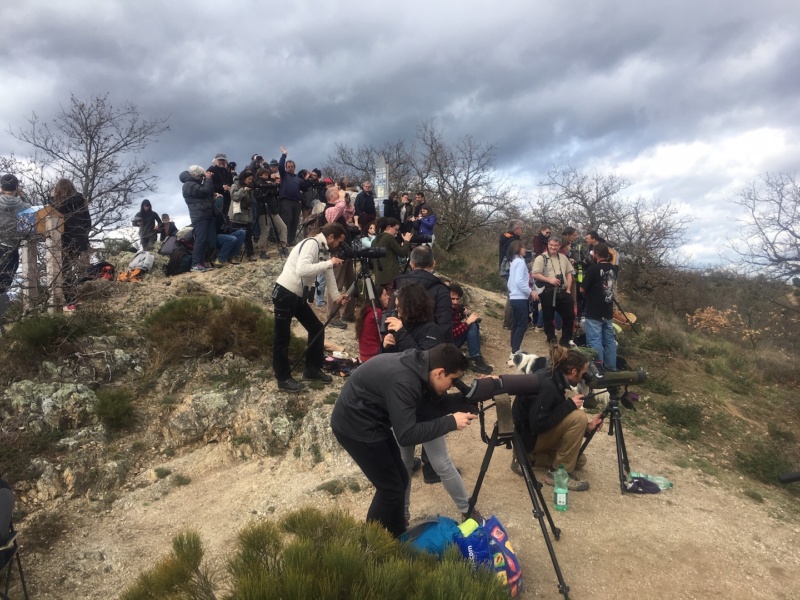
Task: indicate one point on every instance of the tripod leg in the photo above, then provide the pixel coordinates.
(540, 509)
(487, 458)
(321, 331)
(622, 452)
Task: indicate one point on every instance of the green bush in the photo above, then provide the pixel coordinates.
(763, 460)
(200, 326)
(114, 408)
(20, 447)
(682, 417)
(311, 554)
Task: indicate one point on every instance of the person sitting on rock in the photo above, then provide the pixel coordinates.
(466, 328)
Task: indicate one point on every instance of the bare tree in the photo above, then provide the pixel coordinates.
(459, 179)
(770, 235)
(95, 144)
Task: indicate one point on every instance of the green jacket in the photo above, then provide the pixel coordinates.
(386, 269)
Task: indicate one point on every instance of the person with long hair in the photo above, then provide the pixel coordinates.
(367, 332)
(552, 426)
(519, 292)
(414, 328)
(75, 238)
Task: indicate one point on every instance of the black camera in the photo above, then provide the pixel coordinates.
(384, 330)
(349, 253)
(560, 278)
(421, 239)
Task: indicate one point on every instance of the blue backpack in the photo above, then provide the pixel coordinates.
(433, 535)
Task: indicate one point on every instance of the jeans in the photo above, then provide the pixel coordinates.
(473, 339)
(248, 236)
(320, 288)
(600, 336)
(441, 462)
(203, 231)
(519, 323)
(288, 305)
(230, 244)
(381, 463)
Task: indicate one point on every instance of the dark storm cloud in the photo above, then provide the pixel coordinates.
(547, 83)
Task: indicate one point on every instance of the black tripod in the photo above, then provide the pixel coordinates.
(369, 286)
(615, 429)
(505, 434)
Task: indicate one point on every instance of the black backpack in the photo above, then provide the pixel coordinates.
(180, 259)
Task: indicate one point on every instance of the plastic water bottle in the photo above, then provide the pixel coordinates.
(561, 478)
(661, 482)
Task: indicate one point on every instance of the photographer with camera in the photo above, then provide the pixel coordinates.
(554, 270)
(398, 400)
(198, 193)
(241, 210)
(553, 426)
(266, 211)
(386, 269)
(293, 288)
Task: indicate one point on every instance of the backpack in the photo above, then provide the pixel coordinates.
(168, 245)
(313, 225)
(180, 259)
(433, 535)
(100, 270)
(143, 260)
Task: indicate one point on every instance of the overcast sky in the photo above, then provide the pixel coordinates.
(688, 100)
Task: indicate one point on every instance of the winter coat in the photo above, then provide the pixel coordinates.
(538, 413)
(245, 200)
(420, 336)
(426, 224)
(438, 292)
(199, 196)
(146, 220)
(77, 223)
(386, 269)
(9, 207)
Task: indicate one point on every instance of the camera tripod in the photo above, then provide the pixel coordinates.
(615, 429)
(505, 434)
(369, 287)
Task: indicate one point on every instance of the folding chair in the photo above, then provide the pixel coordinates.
(8, 552)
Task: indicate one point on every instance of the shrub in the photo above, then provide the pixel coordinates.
(683, 417)
(162, 472)
(19, 447)
(763, 461)
(179, 479)
(326, 555)
(114, 408)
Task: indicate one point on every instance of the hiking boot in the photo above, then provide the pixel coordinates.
(316, 375)
(263, 255)
(199, 268)
(290, 385)
(253, 258)
(338, 324)
(218, 264)
(235, 260)
(417, 465)
(477, 364)
(573, 483)
(516, 467)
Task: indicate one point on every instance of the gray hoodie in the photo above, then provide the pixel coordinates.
(10, 205)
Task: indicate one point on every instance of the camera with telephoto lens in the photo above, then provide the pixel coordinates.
(421, 239)
(612, 381)
(347, 252)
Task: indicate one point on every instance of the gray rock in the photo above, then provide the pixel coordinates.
(203, 416)
(60, 405)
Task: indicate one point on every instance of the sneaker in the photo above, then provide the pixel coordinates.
(253, 258)
(290, 385)
(538, 328)
(263, 255)
(321, 304)
(234, 261)
(573, 483)
(284, 252)
(508, 327)
(417, 464)
(199, 268)
(477, 364)
(218, 264)
(316, 375)
(338, 324)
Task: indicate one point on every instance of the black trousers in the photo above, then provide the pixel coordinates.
(288, 305)
(381, 463)
(290, 213)
(564, 307)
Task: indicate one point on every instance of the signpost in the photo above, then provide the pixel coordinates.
(381, 183)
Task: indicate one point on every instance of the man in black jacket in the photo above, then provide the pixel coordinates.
(380, 402)
(291, 196)
(551, 425)
(222, 179)
(365, 207)
(423, 265)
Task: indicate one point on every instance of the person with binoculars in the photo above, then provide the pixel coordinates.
(554, 270)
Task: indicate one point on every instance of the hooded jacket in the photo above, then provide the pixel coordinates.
(385, 393)
(9, 207)
(146, 220)
(77, 223)
(439, 293)
(198, 195)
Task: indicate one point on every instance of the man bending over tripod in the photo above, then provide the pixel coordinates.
(551, 425)
(384, 394)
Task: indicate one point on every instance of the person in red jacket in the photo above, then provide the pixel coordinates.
(367, 333)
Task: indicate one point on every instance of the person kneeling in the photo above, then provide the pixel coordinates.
(553, 426)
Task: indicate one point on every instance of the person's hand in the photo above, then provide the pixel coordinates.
(343, 299)
(246, 189)
(463, 419)
(535, 296)
(209, 175)
(555, 282)
(578, 401)
(394, 324)
(407, 236)
(283, 150)
(388, 340)
(412, 218)
(227, 188)
(596, 424)
(336, 261)
(472, 318)
(217, 195)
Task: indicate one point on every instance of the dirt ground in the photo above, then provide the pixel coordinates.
(701, 539)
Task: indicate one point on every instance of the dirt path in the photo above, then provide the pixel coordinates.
(702, 539)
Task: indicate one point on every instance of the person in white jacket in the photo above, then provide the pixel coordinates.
(290, 296)
(519, 291)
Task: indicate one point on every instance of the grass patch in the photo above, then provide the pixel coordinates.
(682, 419)
(315, 385)
(162, 472)
(754, 495)
(334, 487)
(763, 460)
(316, 454)
(241, 440)
(330, 398)
(181, 480)
(781, 435)
(658, 384)
(20, 447)
(114, 408)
